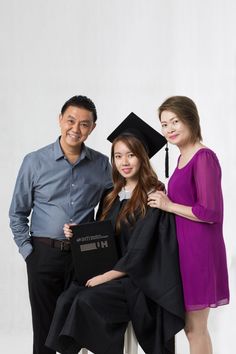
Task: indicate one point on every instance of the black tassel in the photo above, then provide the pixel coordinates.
(167, 161)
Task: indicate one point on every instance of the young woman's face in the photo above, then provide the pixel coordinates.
(126, 162)
(174, 130)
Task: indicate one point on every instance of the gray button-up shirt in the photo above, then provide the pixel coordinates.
(55, 192)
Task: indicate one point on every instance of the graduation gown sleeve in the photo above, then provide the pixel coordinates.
(152, 263)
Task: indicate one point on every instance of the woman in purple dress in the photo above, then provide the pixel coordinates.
(195, 197)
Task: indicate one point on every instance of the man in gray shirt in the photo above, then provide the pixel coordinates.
(57, 184)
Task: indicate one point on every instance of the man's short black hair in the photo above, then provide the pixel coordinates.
(81, 102)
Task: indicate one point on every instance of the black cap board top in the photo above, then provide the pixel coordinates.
(133, 125)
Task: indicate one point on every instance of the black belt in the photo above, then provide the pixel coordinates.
(63, 245)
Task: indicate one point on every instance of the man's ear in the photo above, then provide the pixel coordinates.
(93, 126)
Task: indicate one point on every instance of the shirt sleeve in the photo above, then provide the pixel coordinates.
(207, 177)
(21, 206)
(108, 184)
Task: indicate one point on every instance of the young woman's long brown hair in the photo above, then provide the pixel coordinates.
(147, 181)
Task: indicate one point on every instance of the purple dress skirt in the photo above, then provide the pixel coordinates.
(201, 245)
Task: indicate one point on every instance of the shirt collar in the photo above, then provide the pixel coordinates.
(87, 152)
(58, 153)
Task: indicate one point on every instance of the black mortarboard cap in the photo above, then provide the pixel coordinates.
(133, 125)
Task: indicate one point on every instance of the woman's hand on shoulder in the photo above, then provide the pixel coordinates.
(67, 230)
(159, 199)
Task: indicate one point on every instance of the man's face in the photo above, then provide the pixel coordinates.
(76, 125)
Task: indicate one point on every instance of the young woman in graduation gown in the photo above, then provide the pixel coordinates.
(143, 287)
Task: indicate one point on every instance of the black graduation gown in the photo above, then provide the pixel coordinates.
(150, 295)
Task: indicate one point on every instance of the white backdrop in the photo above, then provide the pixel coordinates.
(127, 55)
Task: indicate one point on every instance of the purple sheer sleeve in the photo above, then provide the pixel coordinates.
(207, 177)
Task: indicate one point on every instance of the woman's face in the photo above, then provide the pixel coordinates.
(126, 162)
(174, 130)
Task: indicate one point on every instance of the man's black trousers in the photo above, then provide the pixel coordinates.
(50, 272)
